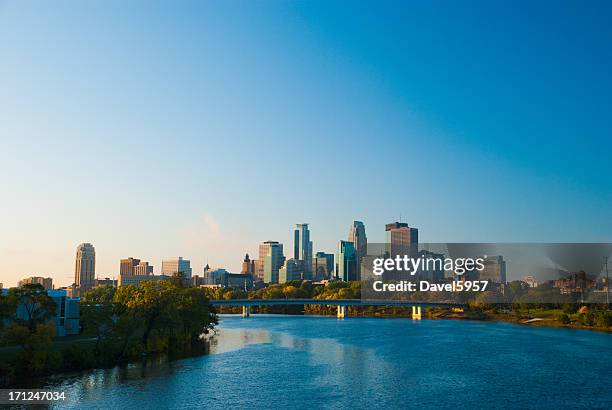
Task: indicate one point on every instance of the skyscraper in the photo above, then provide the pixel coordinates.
(272, 258)
(85, 266)
(248, 266)
(345, 262)
(322, 266)
(174, 266)
(302, 249)
(126, 266)
(402, 239)
(494, 269)
(357, 235)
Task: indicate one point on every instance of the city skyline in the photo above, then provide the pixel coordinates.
(206, 129)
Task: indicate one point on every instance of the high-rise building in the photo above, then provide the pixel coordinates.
(494, 269)
(402, 239)
(302, 249)
(47, 283)
(248, 265)
(174, 266)
(357, 235)
(291, 270)
(345, 262)
(143, 268)
(271, 255)
(323, 266)
(126, 266)
(85, 266)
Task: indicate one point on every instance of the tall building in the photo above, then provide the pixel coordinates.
(357, 235)
(85, 266)
(494, 269)
(271, 255)
(302, 249)
(323, 266)
(291, 270)
(47, 283)
(248, 265)
(402, 239)
(174, 266)
(346, 262)
(126, 266)
(143, 268)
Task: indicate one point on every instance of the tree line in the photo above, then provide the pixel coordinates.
(118, 325)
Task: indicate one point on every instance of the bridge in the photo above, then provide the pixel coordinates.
(340, 303)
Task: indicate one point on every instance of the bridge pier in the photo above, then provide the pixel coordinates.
(341, 311)
(416, 313)
(246, 311)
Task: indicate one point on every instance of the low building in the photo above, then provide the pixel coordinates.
(66, 317)
(100, 283)
(136, 280)
(47, 283)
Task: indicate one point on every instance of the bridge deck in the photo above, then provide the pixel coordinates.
(336, 302)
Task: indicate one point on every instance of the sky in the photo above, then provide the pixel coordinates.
(200, 129)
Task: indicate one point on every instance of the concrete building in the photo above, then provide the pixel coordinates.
(302, 249)
(85, 266)
(357, 235)
(402, 239)
(47, 283)
(174, 266)
(494, 269)
(345, 261)
(323, 266)
(272, 257)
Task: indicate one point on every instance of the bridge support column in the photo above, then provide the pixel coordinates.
(341, 311)
(246, 311)
(416, 313)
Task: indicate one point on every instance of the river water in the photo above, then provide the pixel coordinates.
(309, 362)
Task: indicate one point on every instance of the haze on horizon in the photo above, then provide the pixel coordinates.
(200, 129)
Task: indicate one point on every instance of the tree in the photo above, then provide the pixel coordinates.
(151, 302)
(37, 304)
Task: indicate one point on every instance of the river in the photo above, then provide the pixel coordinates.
(275, 361)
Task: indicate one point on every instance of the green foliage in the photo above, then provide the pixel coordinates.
(37, 304)
(118, 325)
(563, 318)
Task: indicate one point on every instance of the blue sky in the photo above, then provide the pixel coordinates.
(200, 129)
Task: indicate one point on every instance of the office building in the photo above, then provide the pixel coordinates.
(136, 280)
(345, 262)
(357, 235)
(248, 265)
(494, 269)
(143, 268)
(292, 269)
(402, 239)
(272, 259)
(85, 266)
(100, 283)
(302, 249)
(174, 266)
(323, 266)
(66, 316)
(47, 283)
(126, 266)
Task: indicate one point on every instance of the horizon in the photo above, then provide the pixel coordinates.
(147, 130)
